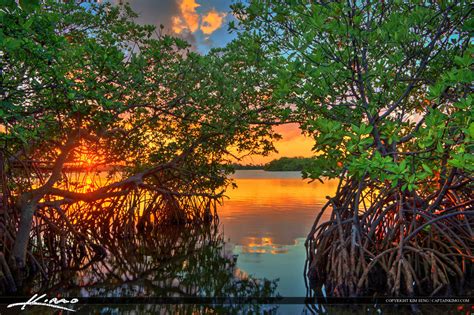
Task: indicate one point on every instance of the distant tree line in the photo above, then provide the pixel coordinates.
(238, 166)
(281, 164)
(385, 90)
(288, 164)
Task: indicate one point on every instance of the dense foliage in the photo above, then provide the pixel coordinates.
(280, 164)
(385, 89)
(237, 166)
(288, 164)
(83, 85)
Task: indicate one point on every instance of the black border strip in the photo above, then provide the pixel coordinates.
(255, 300)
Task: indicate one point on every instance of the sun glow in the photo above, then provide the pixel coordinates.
(293, 144)
(88, 159)
(85, 158)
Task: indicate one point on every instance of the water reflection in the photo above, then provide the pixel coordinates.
(266, 206)
(267, 219)
(189, 261)
(261, 234)
(263, 245)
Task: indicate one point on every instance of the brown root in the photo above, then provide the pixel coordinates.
(403, 243)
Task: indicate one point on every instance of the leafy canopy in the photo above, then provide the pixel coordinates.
(384, 87)
(88, 82)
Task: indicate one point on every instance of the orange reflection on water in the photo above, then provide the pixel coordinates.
(271, 210)
(263, 245)
(279, 192)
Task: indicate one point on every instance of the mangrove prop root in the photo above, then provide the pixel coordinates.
(73, 236)
(387, 241)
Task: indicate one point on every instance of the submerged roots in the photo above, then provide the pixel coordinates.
(393, 242)
(75, 235)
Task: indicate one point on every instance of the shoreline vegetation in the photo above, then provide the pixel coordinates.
(85, 86)
(283, 164)
(383, 88)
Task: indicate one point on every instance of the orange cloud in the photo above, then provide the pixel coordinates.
(188, 19)
(212, 21)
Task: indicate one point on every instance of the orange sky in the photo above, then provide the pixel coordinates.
(293, 144)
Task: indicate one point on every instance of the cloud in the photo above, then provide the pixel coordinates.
(188, 19)
(192, 20)
(190, 38)
(212, 21)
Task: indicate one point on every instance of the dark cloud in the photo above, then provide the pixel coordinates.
(154, 11)
(189, 37)
(199, 22)
(159, 12)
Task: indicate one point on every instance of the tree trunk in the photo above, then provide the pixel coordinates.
(23, 235)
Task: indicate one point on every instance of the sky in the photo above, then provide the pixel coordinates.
(203, 23)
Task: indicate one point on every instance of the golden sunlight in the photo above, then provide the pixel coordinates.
(293, 144)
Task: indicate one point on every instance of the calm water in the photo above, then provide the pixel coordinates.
(266, 220)
(263, 224)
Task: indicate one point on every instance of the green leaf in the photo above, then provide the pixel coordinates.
(426, 168)
(13, 43)
(8, 3)
(29, 5)
(394, 183)
(403, 165)
(471, 130)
